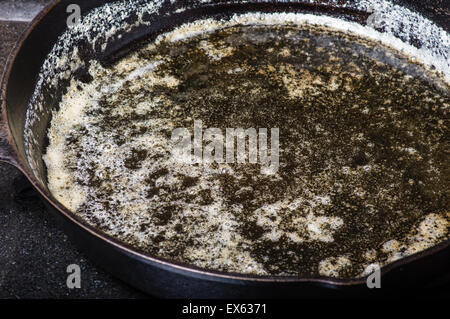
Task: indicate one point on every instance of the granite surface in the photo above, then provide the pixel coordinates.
(34, 252)
(20, 10)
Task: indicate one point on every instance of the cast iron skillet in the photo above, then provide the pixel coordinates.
(155, 275)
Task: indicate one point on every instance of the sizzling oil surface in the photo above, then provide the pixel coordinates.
(364, 165)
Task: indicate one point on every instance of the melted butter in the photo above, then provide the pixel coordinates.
(364, 164)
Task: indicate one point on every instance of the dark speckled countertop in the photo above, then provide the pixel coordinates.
(34, 252)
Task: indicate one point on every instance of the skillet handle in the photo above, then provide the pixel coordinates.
(7, 151)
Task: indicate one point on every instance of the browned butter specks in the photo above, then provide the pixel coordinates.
(364, 173)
